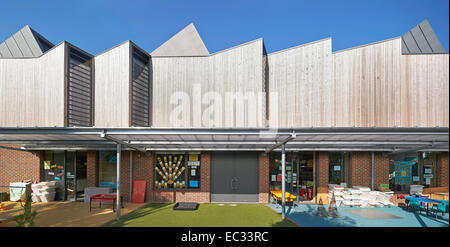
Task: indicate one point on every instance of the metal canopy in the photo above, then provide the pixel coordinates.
(227, 139)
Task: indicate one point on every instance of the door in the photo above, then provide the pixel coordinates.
(234, 177)
(70, 188)
(75, 178)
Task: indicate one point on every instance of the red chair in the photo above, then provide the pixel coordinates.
(302, 192)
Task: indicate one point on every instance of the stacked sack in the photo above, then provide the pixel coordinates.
(337, 191)
(43, 191)
(359, 196)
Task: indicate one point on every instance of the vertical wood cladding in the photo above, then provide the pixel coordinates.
(140, 91)
(301, 86)
(375, 85)
(79, 89)
(220, 90)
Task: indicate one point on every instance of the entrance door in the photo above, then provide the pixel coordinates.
(75, 179)
(234, 177)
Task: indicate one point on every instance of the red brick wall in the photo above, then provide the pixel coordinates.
(91, 168)
(16, 166)
(263, 178)
(443, 169)
(323, 164)
(381, 170)
(360, 169)
(322, 160)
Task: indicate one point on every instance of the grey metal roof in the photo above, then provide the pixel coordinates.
(421, 40)
(25, 43)
(224, 139)
(187, 42)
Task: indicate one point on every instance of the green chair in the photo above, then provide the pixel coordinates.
(440, 208)
(384, 187)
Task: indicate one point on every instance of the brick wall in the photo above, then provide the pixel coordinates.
(16, 166)
(322, 179)
(381, 169)
(91, 168)
(263, 178)
(443, 169)
(360, 169)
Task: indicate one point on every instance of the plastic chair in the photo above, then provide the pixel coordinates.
(440, 208)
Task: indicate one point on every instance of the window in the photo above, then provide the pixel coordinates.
(403, 171)
(177, 170)
(107, 169)
(338, 167)
(429, 169)
(53, 170)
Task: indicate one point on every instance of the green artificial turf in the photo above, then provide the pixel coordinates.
(207, 215)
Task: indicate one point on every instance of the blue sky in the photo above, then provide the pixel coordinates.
(97, 25)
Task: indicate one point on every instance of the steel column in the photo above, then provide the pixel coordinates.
(373, 171)
(131, 174)
(283, 181)
(118, 181)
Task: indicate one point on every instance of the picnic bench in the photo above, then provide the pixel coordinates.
(105, 198)
(412, 201)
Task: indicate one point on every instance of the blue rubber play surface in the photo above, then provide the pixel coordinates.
(305, 215)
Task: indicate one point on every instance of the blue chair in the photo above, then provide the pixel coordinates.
(440, 208)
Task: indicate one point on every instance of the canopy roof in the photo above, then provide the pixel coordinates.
(225, 139)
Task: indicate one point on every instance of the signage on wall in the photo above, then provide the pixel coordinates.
(193, 184)
(337, 168)
(427, 170)
(415, 178)
(274, 178)
(193, 157)
(193, 163)
(46, 165)
(428, 175)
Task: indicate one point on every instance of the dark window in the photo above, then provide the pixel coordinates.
(107, 171)
(338, 167)
(79, 91)
(140, 91)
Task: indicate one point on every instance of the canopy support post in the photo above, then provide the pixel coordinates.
(118, 182)
(373, 171)
(283, 181)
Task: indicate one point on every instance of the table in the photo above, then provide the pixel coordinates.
(424, 200)
(105, 198)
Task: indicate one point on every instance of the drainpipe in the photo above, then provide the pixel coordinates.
(131, 174)
(283, 181)
(118, 182)
(373, 170)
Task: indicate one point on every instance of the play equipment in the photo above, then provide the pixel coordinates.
(276, 194)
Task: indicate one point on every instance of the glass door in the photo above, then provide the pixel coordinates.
(70, 189)
(80, 175)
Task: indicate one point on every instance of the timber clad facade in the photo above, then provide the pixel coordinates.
(402, 82)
